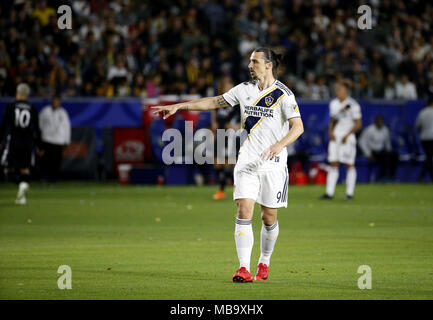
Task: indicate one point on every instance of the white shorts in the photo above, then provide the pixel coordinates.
(269, 188)
(342, 152)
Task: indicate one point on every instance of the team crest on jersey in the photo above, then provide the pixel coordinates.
(269, 100)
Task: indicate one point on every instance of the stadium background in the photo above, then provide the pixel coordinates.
(120, 57)
(153, 242)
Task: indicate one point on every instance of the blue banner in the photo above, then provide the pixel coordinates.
(95, 112)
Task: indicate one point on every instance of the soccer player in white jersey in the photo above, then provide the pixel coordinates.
(270, 116)
(345, 121)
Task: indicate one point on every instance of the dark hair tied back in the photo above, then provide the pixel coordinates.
(271, 56)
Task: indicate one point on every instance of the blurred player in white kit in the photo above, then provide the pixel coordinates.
(344, 122)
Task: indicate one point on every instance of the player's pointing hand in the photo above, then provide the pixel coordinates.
(166, 111)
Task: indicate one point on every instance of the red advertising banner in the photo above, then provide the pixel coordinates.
(129, 146)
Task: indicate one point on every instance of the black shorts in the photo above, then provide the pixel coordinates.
(17, 155)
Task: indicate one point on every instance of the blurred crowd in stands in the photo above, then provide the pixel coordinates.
(147, 48)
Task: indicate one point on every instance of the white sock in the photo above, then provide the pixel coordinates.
(350, 181)
(244, 239)
(22, 189)
(331, 180)
(269, 236)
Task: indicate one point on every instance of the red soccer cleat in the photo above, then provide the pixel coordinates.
(262, 272)
(242, 275)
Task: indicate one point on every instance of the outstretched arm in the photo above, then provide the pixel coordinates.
(202, 104)
(296, 129)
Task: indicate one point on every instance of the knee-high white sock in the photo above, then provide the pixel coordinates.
(350, 181)
(331, 180)
(269, 236)
(244, 239)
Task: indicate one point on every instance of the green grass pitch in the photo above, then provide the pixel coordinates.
(148, 242)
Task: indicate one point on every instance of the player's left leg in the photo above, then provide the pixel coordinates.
(23, 185)
(246, 188)
(333, 171)
(273, 195)
(22, 162)
(268, 238)
(244, 238)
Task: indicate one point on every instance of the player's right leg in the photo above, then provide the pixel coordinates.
(273, 195)
(331, 180)
(246, 190)
(5, 159)
(269, 235)
(244, 239)
(332, 177)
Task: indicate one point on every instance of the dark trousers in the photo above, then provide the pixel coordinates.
(51, 161)
(387, 161)
(428, 149)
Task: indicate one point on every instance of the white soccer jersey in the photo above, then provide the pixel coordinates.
(345, 112)
(264, 115)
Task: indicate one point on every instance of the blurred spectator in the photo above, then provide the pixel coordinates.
(248, 43)
(389, 87)
(375, 143)
(43, 12)
(81, 8)
(320, 20)
(55, 134)
(405, 89)
(88, 90)
(71, 89)
(56, 73)
(139, 89)
(377, 87)
(117, 71)
(105, 89)
(170, 43)
(322, 89)
(308, 89)
(424, 123)
(123, 89)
